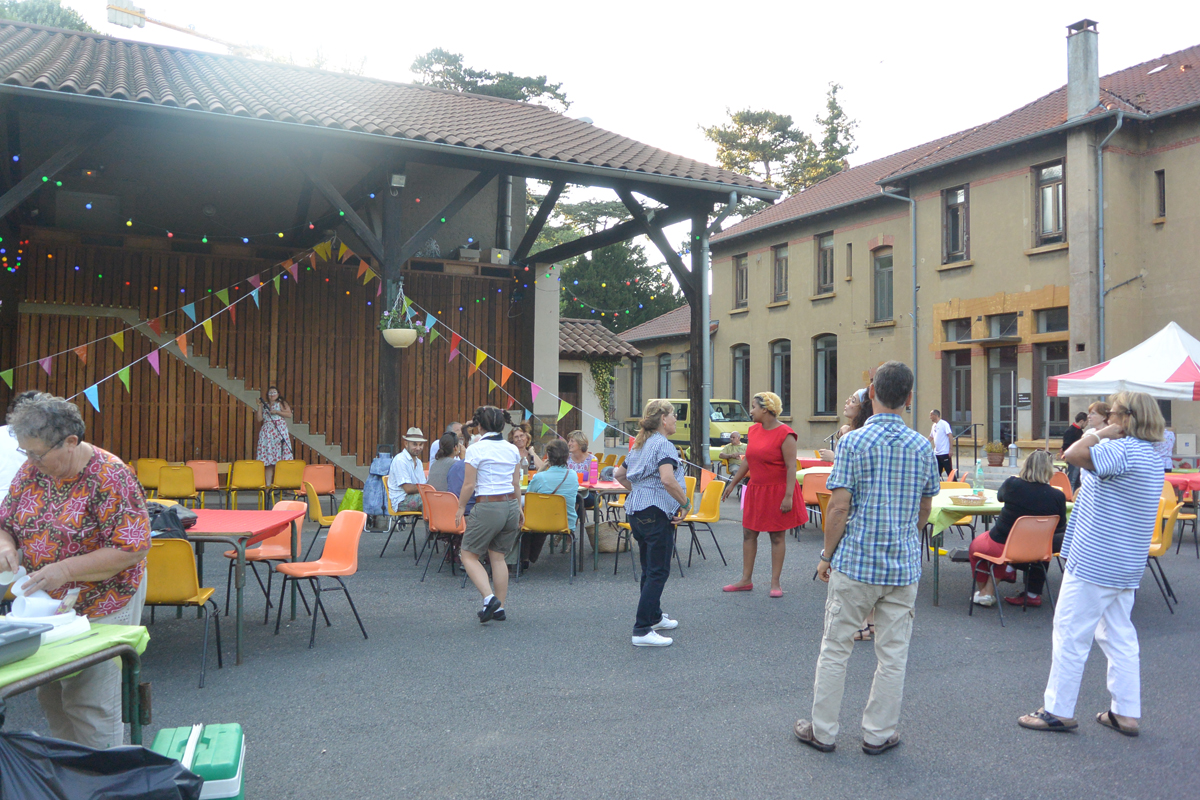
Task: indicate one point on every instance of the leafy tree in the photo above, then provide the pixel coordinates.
(50, 13)
(612, 283)
(819, 160)
(445, 70)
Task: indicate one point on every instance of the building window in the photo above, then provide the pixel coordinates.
(882, 286)
(781, 374)
(957, 330)
(1051, 204)
(1052, 320)
(849, 261)
(956, 222)
(635, 387)
(957, 387)
(825, 264)
(1052, 360)
(779, 273)
(741, 281)
(1160, 192)
(825, 400)
(1165, 407)
(1000, 325)
(741, 374)
(664, 376)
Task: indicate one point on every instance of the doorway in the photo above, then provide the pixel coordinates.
(1002, 394)
(568, 389)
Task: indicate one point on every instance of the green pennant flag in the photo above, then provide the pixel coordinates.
(7, 376)
(278, 278)
(123, 374)
(223, 294)
(407, 302)
(433, 334)
(564, 408)
(545, 429)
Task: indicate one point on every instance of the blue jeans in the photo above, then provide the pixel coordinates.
(655, 536)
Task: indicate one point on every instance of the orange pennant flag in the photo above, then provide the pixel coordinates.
(312, 259)
(156, 326)
(81, 351)
(181, 340)
(505, 374)
(705, 478)
(233, 314)
(362, 269)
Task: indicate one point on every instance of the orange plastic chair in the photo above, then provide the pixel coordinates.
(442, 507)
(1160, 544)
(822, 504)
(400, 519)
(289, 475)
(708, 514)
(147, 473)
(315, 515)
(339, 559)
(1030, 542)
(1060, 480)
(247, 476)
(277, 548)
(547, 513)
(171, 580)
(813, 482)
(321, 477)
(206, 479)
(177, 483)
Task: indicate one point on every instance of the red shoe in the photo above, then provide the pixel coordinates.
(733, 587)
(1024, 600)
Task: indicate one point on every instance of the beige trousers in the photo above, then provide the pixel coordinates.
(86, 707)
(846, 606)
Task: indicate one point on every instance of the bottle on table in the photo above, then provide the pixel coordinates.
(977, 481)
(593, 472)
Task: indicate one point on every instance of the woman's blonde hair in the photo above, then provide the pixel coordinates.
(1038, 467)
(578, 438)
(1101, 408)
(1145, 420)
(651, 420)
(770, 402)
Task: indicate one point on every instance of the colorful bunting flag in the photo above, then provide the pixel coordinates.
(430, 322)
(156, 326)
(453, 354)
(533, 387)
(255, 281)
(45, 362)
(208, 328)
(598, 429)
(362, 268)
(433, 334)
(181, 340)
(545, 428)
(190, 310)
(7, 376)
(505, 374)
(510, 402)
(379, 288)
(233, 314)
(81, 351)
(480, 357)
(276, 281)
(342, 250)
(564, 408)
(312, 260)
(119, 340)
(369, 277)
(322, 250)
(491, 386)
(223, 295)
(290, 266)
(454, 340)
(153, 359)
(254, 294)
(706, 477)
(123, 374)
(93, 396)
(407, 302)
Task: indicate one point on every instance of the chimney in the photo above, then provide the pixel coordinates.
(1083, 68)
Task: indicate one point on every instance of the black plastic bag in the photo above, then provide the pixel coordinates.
(37, 768)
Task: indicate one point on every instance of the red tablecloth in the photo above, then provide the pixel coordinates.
(805, 463)
(604, 487)
(1184, 480)
(258, 525)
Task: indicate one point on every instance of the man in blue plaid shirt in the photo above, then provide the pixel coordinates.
(884, 478)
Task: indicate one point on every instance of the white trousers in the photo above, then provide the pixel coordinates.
(1085, 611)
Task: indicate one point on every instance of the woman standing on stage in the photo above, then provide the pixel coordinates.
(274, 442)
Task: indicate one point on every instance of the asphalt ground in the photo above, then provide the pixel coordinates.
(555, 702)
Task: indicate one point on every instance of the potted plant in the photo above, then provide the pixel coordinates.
(995, 452)
(397, 329)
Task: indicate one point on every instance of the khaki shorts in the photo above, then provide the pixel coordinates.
(493, 526)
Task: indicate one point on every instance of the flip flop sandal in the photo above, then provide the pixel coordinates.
(1043, 720)
(867, 634)
(1109, 720)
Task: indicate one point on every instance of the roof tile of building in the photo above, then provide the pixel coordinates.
(670, 325)
(88, 64)
(584, 338)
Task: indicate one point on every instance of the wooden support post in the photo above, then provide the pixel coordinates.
(389, 357)
(302, 206)
(351, 217)
(621, 232)
(539, 221)
(653, 229)
(52, 166)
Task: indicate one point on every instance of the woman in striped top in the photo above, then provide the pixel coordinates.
(1106, 544)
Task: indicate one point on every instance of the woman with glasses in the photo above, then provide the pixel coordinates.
(75, 517)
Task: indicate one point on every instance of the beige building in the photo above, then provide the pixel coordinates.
(662, 368)
(1008, 244)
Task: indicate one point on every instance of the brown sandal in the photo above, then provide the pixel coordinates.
(1109, 720)
(866, 634)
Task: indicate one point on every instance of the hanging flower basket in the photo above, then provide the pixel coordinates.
(400, 337)
(397, 325)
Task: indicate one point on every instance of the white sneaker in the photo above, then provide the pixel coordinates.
(651, 639)
(665, 624)
(985, 600)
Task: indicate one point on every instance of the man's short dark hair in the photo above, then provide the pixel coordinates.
(893, 384)
(936, 413)
(1081, 417)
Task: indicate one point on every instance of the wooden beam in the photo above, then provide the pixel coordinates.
(621, 232)
(351, 217)
(388, 429)
(418, 239)
(653, 229)
(302, 206)
(539, 221)
(52, 166)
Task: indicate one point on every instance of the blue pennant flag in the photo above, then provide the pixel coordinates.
(409, 313)
(598, 429)
(190, 310)
(93, 396)
(429, 322)
(254, 294)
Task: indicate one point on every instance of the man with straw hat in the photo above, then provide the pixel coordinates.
(407, 471)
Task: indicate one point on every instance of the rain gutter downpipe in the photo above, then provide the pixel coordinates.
(912, 236)
(1101, 291)
(706, 381)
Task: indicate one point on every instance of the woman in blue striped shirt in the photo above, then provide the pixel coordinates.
(1106, 545)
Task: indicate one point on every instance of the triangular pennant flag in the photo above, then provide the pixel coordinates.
(453, 355)
(181, 340)
(254, 294)
(277, 279)
(471, 370)
(491, 386)
(7, 376)
(123, 374)
(322, 250)
(362, 268)
(208, 328)
(454, 340)
(564, 408)
(409, 313)
(433, 334)
(598, 429)
(480, 357)
(631, 442)
(93, 396)
(342, 250)
(705, 478)
(369, 277)
(312, 260)
(223, 295)
(430, 321)
(545, 429)
(233, 314)
(510, 402)
(45, 362)
(156, 326)
(119, 340)
(407, 302)
(81, 351)
(505, 374)
(379, 288)
(153, 359)
(254, 281)
(291, 268)
(535, 389)
(190, 310)
(528, 414)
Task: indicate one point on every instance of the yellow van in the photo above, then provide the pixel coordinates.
(726, 416)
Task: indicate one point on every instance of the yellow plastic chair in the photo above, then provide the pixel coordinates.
(967, 521)
(147, 473)
(289, 477)
(315, 515)
(613, 509)
(547, 514)
(620, 461)
(177, 483)
(399, 520)
(171, 580)
(1160, 544)
(1169, 495)
(709, 513)
(609, 460)
(247, 476)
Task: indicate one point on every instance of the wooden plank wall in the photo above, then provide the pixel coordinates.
(317, 341)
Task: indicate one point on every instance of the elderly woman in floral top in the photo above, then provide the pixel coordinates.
(76, 518)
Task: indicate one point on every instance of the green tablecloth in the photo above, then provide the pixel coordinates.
(802, 472)
(65, 651)
(945, 513)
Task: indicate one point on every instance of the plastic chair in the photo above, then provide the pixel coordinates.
(171, 580)
(1160, 544)
(321, 476)
(620, 461)
(1171, 497)
(247, 476)
(442, 508)
(205, 478)
(315, 515)
(177, 483)
(609, 460)
(277, 548)
(814, 482)
(1030, 542)
(547, 513)
(339, 559)
(289, 477)
(709, 513)
(423, 489)
(624, 531)
(614, 508)
(147, 473)
(966, 521)
(400, 519)
(1061, 481)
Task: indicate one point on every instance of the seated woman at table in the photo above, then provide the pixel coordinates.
(76, 517)
(1028, 494)
(521, 437)
(580, 460)
(555, 478)
(856, 409)
(448, 449)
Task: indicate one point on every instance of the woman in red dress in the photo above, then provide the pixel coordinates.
(768, 505)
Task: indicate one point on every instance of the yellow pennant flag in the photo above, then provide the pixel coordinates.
(322, 250)
(342, 250)
(119, 340)
(564, 408)
(480, 357)
(208, 328)
(370, 274)
(491, 385)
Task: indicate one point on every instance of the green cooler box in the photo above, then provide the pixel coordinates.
(214, 752)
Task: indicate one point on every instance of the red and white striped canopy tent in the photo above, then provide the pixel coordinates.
(1165, 366)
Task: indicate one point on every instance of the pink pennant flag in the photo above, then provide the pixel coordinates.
(291, 268)
(379, 289)
(153, 359)
(255, 281)
(535, 389)
(45, 362)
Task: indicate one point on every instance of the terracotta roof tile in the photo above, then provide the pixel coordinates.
(582, 338)
(670, 325)
(66, 61)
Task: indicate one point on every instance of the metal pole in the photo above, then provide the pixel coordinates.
(912, 218)
(706, 381)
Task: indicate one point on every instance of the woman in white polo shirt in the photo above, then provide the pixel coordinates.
(493, 478)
